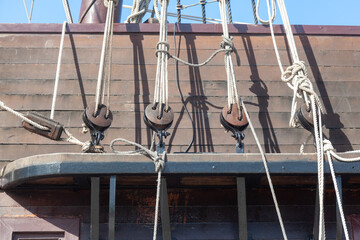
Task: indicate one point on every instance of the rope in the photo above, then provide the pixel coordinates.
(138, 11)
(159, 162)
(229, 66)
(57, 77)
(178, 11)
(271, 17)
(70, 138)
(21, 116)
(105, 54)
(161, 94)
(228, 5)
(203, 11)
(254, 11)
(67, 11)
(297, 79)
(31, 10)
(263, 157)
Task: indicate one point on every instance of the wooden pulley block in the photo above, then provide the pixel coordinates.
(99, 120)
(305, 117)
(156, 121)
(54, 131)
(234, 118)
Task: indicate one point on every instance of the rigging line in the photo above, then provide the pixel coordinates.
(58, 68)
(188, 17)
(228, 5)
(203, 10)
(31, 10)
(100, 81)
(178, 11)
(180, 93)
(267, 171)
(228, 44)
(271, 17)
(254, 11)
(67, 11)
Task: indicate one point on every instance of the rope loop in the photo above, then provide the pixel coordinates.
(166, 46)
(328, 145)
(227, 42)
(293, 70)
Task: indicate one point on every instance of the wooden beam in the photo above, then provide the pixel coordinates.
(112, 205)
(71, 164)
(242, 214)
(95, 208)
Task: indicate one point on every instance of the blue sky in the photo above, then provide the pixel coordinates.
(309, 12)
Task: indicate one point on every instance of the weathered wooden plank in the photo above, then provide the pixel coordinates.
(267, 121)
(253, 58)
(200, 41)
(209, 88)
(90, 71)
(202, 137)
(197, 103)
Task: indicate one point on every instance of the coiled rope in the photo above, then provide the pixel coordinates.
(297, 79)
(138, 11)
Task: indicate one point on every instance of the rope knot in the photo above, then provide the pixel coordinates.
(202, 2)
(106, 2)
(162, 47)
(179, 7)
(327, 145)
(292, 71)
(159, 162)
(227, 42)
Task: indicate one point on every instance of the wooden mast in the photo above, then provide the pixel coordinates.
(97, 12)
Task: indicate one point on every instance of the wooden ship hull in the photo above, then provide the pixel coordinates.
(211, 192)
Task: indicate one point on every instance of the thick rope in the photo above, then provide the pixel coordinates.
(254, 11)
(203, 10)
(161, 94)
(233, 97)
(21, 116)
(297, 79)
(67, 11)
(106, 50)
(271, 17)
(58, 68)
(138, 11)
(263, 157)
(31, 10)
(159, 162)
(70, 138)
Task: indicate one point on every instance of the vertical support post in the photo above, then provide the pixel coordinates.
(164, 210)
(316, 216)
(95, 206)
(112, 195)
(339, 229)
(241, 198)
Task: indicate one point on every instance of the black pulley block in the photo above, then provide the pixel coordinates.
(305, 118)
(158, 120)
